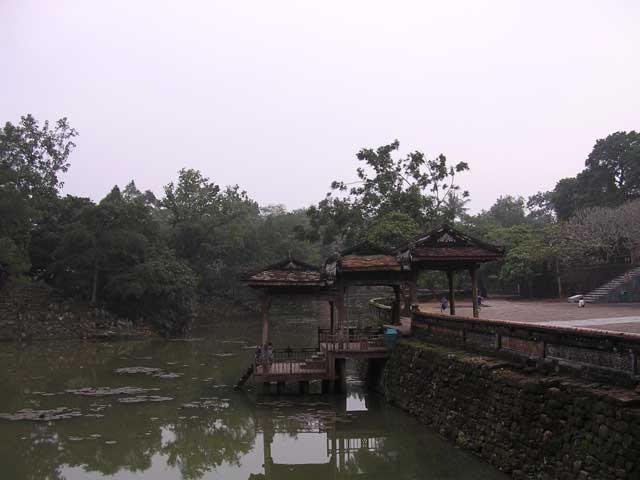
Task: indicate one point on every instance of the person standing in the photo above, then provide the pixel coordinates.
(444, 304)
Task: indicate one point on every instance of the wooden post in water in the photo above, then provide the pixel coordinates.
(267, 439)
(266, 303)
(452, 300)
(473, 271)
(340, 378)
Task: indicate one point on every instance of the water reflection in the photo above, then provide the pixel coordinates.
(206, 431)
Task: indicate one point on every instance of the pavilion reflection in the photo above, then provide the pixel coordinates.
(355, 442)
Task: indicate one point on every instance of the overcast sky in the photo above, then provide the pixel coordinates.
(279, 96)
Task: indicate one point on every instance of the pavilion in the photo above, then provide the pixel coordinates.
(449, 250)
(444, 249)
(365, 265)
(289, 277)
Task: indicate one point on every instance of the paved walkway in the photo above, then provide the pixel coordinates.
(591, 322)
(621, 317)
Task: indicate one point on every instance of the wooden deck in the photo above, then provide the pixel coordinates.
(289, 372)
(354, 350)
(300, 365)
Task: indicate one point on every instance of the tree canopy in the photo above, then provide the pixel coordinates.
(611, 177)
(423, 190)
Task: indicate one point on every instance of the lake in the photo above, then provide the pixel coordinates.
(155, 409)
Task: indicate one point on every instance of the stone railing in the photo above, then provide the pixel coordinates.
(587, 350)
(380, 311)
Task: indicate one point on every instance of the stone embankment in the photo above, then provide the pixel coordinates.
(33, 311)
(530, 425)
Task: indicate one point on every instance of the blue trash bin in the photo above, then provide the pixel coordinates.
(391, 338)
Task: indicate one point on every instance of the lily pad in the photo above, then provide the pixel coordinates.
(168, 375)
(108, 391)
(144, 398)
(138, 370)
(60, 413)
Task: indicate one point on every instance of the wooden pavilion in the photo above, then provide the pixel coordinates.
(365, 265)
(289, 277)
(449, 250)
(444, 249)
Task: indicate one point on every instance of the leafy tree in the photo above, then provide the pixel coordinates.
(610, 178)
(424, 190)
(31, 157)
(105, 238)
(35, 156)
(616, 161)
(392, 230)
(160, 289)
(212, 229)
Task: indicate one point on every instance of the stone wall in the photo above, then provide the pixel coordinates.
(593, 354)
(526, 424)
(33, 311)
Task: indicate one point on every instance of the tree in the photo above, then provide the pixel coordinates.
(31, 158)
(36, 155)
(211, 228)
(425, 190)
(616, 159)
(610, 178)
(160, 289)
(507, 211)
(392, 230)
(104, 239)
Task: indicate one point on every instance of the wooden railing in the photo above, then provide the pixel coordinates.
(289, 361)
(380, 311)
(352, 339)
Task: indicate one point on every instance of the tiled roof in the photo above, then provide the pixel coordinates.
(369, 262)
(451, 253)
(289, 272)
(448, 244)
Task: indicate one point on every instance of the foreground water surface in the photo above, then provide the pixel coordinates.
(67, 415)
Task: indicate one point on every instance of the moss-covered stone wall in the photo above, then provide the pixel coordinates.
(526, 424)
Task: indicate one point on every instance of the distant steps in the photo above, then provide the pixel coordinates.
(604, 290)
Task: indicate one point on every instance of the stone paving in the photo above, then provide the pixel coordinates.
(619, 317)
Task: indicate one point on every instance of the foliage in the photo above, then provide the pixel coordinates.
(150, 259)
(392, 230)
(35, 156)
(611, 177)
(160, 289)
(424, 190)
(31, 158)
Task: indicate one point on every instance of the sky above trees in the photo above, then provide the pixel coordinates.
(280, 96)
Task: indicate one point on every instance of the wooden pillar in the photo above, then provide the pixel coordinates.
(340, 308)
(331, 316)
(413, 290)
(473, 271)
(452, 299)
(395, 314)
(266, 303)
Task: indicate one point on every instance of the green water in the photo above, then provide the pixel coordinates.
(202, 429)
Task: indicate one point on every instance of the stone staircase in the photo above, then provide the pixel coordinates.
(243, 379)
(603, 291)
